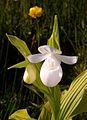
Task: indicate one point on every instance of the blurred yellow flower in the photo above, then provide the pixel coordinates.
(35, 12)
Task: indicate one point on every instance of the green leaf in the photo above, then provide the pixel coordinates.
(54, 39)
(82, 107)
(19, 44)
(73, 97)
(20, 115)
(20, 65)
(45, 112)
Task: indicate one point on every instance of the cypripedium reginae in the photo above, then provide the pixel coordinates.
(51, 71)
(35, 12)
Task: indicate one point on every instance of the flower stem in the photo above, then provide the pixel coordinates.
(38, 32)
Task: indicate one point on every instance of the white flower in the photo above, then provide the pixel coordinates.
(51, 71)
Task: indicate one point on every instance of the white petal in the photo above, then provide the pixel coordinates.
(68, 59)
(48, 49)
(37, 58)
(50, 77)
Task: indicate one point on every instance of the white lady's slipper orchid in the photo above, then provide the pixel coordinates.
(51, 71)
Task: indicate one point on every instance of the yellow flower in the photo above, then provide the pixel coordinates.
(35, 12)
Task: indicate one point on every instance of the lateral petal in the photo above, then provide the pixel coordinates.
(37, 58)
(68, 59)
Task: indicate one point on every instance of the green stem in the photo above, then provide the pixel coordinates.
(38, 32)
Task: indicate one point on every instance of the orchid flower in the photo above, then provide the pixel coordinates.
(51, 72)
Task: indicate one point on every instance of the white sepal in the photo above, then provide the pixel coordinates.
(46, 49)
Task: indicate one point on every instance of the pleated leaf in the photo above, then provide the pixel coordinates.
(82, 107)
(19, 44)
(73, 97)
(54, 39)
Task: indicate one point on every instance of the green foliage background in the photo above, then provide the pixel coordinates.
(14, 19)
